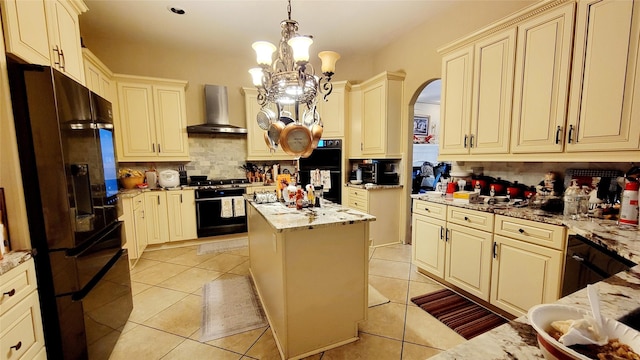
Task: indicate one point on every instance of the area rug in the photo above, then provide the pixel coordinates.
(223, 245)
(376, 298)
(230, 306)
(460, 314)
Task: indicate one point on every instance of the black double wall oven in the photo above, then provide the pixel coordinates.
(68, 168)
(328, 157)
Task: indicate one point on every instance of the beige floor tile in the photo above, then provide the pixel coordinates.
(387, 268)
(385, 320)
(241, 252)
(417, 352)
(190, 280)
(367, 347)
(396, 252)
(144, 343)
(242, 269)
(416, 276)
(394, 289)
(129, 326)
(223, 262)
(265, 348)
(152, 301)
(423, 329)
(164, 254)
(138, 287)
(143, 264)
(239, 343)
(191, 258)
(158, 273)
(417, 288)
(182, 318)
(193, 350)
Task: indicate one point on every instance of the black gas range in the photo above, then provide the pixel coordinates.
(220, 206)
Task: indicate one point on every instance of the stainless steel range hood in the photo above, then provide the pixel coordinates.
(217, 109)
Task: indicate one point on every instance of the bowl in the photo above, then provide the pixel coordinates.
(131, 182)
(541, 317)
(356, 182)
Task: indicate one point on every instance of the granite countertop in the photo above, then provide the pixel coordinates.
(12, 259)
(283, 218)
(372, 186)
(618, 294)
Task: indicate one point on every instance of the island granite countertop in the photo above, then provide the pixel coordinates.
(619, 294)
(283, 218)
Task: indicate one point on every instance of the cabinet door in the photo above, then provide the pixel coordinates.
(602, 86)
(64, 39)
(543, 59)
(516, 260)
(140, 231)
(493, 89)
(374, 126)
(136, 121)
(332, 112)
(427, 237)
(181, 211)
(155, 205)
(25, 30)
(170, 121)
(355, 123)
(468, 264)
(455, 109)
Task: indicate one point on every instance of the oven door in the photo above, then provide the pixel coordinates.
(211, 220)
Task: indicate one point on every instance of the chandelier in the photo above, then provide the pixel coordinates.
(289, 84)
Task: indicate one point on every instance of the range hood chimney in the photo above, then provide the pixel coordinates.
(217, 109)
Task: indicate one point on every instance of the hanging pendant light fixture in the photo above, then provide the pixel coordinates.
(290, 84)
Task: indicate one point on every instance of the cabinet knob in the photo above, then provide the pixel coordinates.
(427, 209)
(17, 346)
(521, 231)
(10, 293)
(466, 218)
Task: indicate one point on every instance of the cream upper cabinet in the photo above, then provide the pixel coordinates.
(382, 98)
(335, 111)
(25, 30)
(603, 87)
(543, 60)
(152, 121)
(181, 212)
(455, 107)
(257, 148)
(64, 37)
(98, 77)
(355, 123)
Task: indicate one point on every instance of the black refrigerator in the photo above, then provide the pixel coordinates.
(68, 168)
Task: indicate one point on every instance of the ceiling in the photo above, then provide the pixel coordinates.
(231, 26)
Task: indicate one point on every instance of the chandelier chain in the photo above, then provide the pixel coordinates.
(289, 10)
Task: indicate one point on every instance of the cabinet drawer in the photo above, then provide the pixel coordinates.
(16, 285)
(552, 236)
(359, 194)
(431, 209)
(138, 201)
(358, 199)
(22, 327)
(474, 219)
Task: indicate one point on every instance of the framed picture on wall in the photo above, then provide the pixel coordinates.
(421, 125)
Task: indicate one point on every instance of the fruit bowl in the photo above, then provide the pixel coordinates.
(131, 182)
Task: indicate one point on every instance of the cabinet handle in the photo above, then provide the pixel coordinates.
(153, 147)
(17, 346)
(577, 258)
(57, 51)
(10, 293)
(521, 231)
(471, 141)
(558, 131)
(446, 239)
(159, 151)
(355, 203)
(158, 198)
(63, 63)
(427, 209)
(441, 232)
(360, 146)
(466, 218)
(180, 198)
(465, 141)
(495, 249)
(570, 134)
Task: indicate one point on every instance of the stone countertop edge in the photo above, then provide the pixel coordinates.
(373, 186)
(285, 219)
(620, 240)
(13, 259)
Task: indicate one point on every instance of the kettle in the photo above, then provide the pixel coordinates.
(169, 179)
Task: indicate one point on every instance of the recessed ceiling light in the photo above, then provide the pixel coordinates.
(176, 10)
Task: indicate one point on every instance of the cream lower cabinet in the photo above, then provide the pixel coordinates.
(428, 228)
(21, 333)
(152, 122)
(135, 227)
(527, 264)
(384, 204)
(171, 216)
(468, 250)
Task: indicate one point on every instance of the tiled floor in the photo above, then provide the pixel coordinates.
(165, 322)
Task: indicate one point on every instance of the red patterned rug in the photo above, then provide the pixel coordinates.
(460, 314)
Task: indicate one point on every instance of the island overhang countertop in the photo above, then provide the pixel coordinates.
(283, 218)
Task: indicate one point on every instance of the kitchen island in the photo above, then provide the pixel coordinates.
(310, 268)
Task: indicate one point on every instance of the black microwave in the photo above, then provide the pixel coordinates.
(379, 173)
